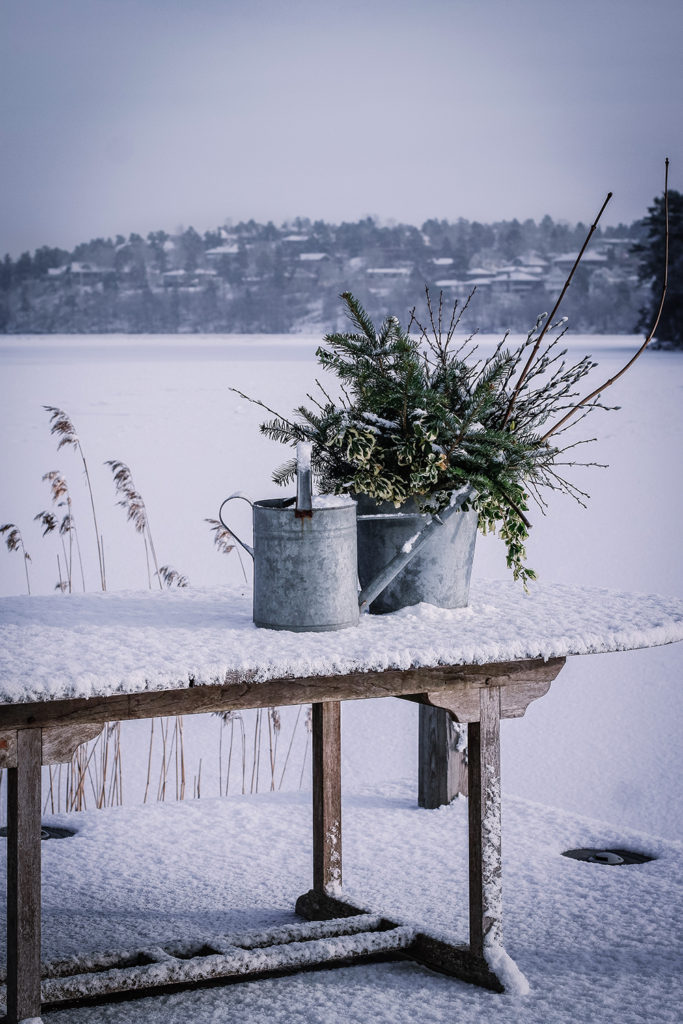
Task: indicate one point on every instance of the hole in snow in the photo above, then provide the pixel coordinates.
(48, 832)
(594, 855)
(190, 954)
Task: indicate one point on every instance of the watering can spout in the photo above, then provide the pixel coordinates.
(400, 560)
(305, 555)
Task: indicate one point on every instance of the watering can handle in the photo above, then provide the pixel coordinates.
(247, 547)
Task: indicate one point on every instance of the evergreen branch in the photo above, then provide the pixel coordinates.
(358, 316)
(256, 401)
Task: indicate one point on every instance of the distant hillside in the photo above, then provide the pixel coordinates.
(259, 278)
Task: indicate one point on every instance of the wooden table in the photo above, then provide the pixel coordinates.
(104, 647)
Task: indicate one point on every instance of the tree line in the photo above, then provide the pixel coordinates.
(262, 278)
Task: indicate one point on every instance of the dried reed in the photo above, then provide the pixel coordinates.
(172, 753)
(308, 723)
(136, 511)
(274, 726)
(14, 542)
(63, 428)
(222, 538)
(61, 498)
(171, 577)
(87, 772)
(48, 521)
(289, 748)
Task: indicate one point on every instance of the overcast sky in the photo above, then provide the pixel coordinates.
(133, 115)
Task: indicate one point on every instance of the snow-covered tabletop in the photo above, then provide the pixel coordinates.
(64, 646)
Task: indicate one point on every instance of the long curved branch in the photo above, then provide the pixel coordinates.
(550, 319)
(594, 394)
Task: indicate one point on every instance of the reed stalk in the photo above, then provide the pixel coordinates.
(220, 756)
(136, 511)
(14, 542)
(257, 743)
(222, 538)
(182, 758)
(274, 726)
(232, 737)
(308, 723)
(171, 577)
(289, 748)
(62, 427)
(104, 768)
(149, 761)
(161, 792)
(120, 759)
(244, 756)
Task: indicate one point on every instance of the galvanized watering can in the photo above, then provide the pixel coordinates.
(305, 557)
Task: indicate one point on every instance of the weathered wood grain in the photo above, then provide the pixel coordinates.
(315, 905)
(240, 694)
(61, 741)
(327, 823)
(23, 880)
(456, 960)
(442, 768)
(8, 748)
(484, 813)
(518, 690)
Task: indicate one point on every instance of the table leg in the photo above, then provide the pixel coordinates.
(327, 836)
(322, 903)
(442, 768)
(486, 905)
(23, 879)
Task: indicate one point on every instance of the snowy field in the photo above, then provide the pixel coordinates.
(598, 945)
(604, 743)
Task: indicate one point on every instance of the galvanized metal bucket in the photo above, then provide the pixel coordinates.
(305, 565)
(439, 571)
(307, 562)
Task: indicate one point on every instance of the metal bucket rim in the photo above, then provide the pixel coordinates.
(277, 505)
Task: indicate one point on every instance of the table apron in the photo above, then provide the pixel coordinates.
(459, 682)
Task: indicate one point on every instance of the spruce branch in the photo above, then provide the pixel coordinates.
(256, 401)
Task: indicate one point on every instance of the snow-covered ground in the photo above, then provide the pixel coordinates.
(600, 944)
(597, 944)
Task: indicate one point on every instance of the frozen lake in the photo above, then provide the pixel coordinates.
(608, 732)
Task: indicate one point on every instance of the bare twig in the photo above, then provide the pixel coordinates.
(549, 320)
(648, 339)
